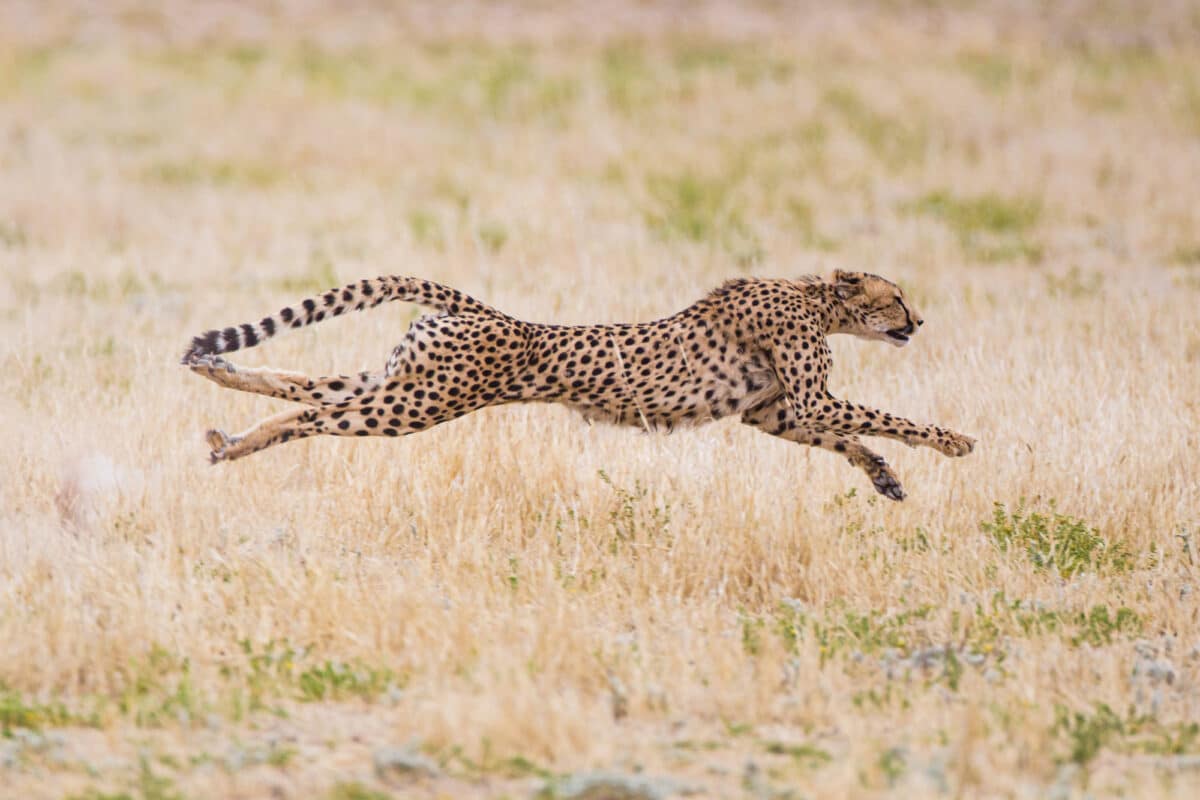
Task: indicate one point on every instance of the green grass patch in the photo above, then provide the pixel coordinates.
(492, 235)
(24, 68)
(1074, 283)
(1001, 619)
(218, 172)
(16, 711)
(355, 791)
(1056, 542)
(426, 228)
(462, 83)
(632, 518)
(805, 755)
(894, 142)
(989, 226)
(1085, 734)
(159, 689)
(1186, 255)
(704, 209)
(984, 213)
(748, 63)
(841, 631)
(149, 786)
(629, 82)
(996, 72)
(336, 681)
(12, 234)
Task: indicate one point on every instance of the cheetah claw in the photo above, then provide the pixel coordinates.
(956, 444)
(210, 364)
(888, 486)
(218, 441)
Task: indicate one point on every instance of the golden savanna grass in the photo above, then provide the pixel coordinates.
(516, 598)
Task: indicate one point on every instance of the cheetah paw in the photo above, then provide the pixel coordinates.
(218, 441)
(954, 444)
(213, 367)
(888, 486)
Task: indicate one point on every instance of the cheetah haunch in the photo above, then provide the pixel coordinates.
(752, 347)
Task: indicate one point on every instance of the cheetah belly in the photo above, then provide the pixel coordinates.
(684, 396)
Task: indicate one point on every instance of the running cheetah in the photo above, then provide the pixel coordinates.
(752, 347)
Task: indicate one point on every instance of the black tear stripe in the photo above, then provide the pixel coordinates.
(907, 318)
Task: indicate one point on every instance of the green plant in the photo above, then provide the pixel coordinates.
(892, 764)
(629, 518)
(1088, 733)
(492, 235)
(894, 142)
(1097, 626)
(984, 213)
(356, 791)
(805, 755)
(1055, 541)
(158, 688)
(333, 680)
(17, 712)
(990, 226)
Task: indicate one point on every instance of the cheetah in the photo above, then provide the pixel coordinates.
(752, 347)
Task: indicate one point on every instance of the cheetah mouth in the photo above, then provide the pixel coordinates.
(898, 335)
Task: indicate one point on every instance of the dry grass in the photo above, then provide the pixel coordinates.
(515, 595)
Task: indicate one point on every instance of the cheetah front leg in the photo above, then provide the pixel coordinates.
(779, 420)
(294, 386)
(845, 417)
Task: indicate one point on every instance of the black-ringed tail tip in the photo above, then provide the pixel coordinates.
(366, 293)
(752, 348)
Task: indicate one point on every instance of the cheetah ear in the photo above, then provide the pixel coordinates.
(846, 284)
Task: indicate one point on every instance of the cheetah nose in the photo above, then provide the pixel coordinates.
(920, 322)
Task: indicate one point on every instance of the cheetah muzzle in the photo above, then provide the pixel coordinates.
(755, 348)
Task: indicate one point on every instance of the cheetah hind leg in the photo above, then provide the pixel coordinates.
(377, 413)
(294, 386)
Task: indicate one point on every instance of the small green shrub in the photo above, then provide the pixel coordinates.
(805, 755)
(632, 519)
(333, 681)
(1183, 255)
(1087, 734)
(1055, 541)
(356, 791)
(17, 712)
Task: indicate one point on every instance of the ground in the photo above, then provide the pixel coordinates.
(516, 601)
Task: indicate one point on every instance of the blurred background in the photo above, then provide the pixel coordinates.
(514, 601)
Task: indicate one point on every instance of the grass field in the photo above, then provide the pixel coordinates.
(515, 602)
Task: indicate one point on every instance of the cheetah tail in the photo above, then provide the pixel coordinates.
(366, 293)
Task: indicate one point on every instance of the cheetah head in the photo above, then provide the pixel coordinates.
(875, 308)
